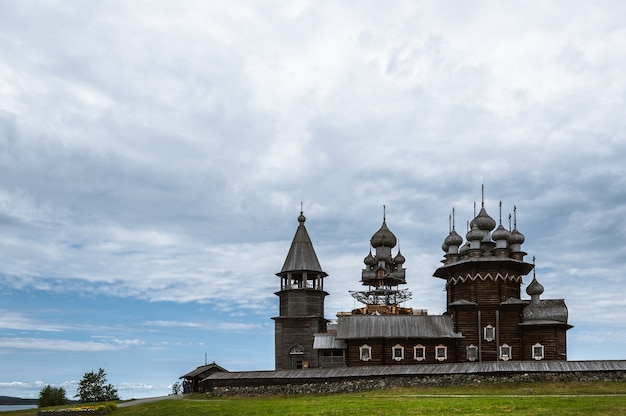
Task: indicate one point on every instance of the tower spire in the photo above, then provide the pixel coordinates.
(452, 218)
(500, 212)
(483, 197)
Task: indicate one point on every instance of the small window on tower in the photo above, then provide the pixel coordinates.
(397, 352)
(296, 350)
(419, 352)
(365, 352)
(472, 352)
(538, 351)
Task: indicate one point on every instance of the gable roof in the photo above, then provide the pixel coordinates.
(207, 368)
(395, 326)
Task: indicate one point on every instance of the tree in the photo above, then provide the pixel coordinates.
(176, 387)
(94, 388)
(51, 396)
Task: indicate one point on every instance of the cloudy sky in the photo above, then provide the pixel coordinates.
(154, 157)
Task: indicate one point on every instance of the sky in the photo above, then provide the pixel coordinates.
(155, 157)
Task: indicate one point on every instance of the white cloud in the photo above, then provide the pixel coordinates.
(212, 326)
(161, 152)
(48, 344)
(18, 321)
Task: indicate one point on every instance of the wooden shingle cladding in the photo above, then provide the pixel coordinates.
(395, 326)
(301, 304)
(290, 332)
(552, 336)
(485, 292)
(381, 333)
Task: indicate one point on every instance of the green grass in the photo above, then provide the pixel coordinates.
(599, 398)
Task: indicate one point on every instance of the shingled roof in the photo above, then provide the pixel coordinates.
(395, 326)
(301, 255)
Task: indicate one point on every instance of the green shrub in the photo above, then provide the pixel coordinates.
(52, 396)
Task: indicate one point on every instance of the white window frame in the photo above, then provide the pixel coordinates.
(439, 357)
(502, 355)
(489, 333)
(536, 356)
(396, 348)
(421, 348)
(296, 350)
(472, 352)
(365, 352)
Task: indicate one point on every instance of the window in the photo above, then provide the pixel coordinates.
(489, 333)
(419, 352)
(505, 352)
(441, 352)
(397, 352)
(296, 350)
(472, 352)
(295, 356)
(365, 352)
(537, 351)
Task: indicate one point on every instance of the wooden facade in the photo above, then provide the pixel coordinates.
(382, 351)
(486, 318)
(301, 317)
(483, 284)
(301, 305)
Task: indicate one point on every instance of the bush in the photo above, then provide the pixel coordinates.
(52, 396)
(94, 388)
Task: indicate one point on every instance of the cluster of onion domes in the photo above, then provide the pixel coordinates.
(482, 238)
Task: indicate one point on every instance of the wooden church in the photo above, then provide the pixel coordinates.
(485, 320)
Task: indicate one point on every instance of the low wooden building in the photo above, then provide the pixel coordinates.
(192, 381)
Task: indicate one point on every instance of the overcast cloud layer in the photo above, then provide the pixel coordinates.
(154, 158)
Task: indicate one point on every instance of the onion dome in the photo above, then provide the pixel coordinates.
(301, 218)
(475, 234)
(464, 249)
(369, 259)
(534, 288)
(399, 259)
(516, 237)
(501, 233)
(484, 221)
(444, 246)
(453, 239)
(383, 237)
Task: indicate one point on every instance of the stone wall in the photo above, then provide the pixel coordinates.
(374, 383)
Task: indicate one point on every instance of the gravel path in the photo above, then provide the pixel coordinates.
(149, 400)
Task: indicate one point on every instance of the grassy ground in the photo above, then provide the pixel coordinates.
(600, 398)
